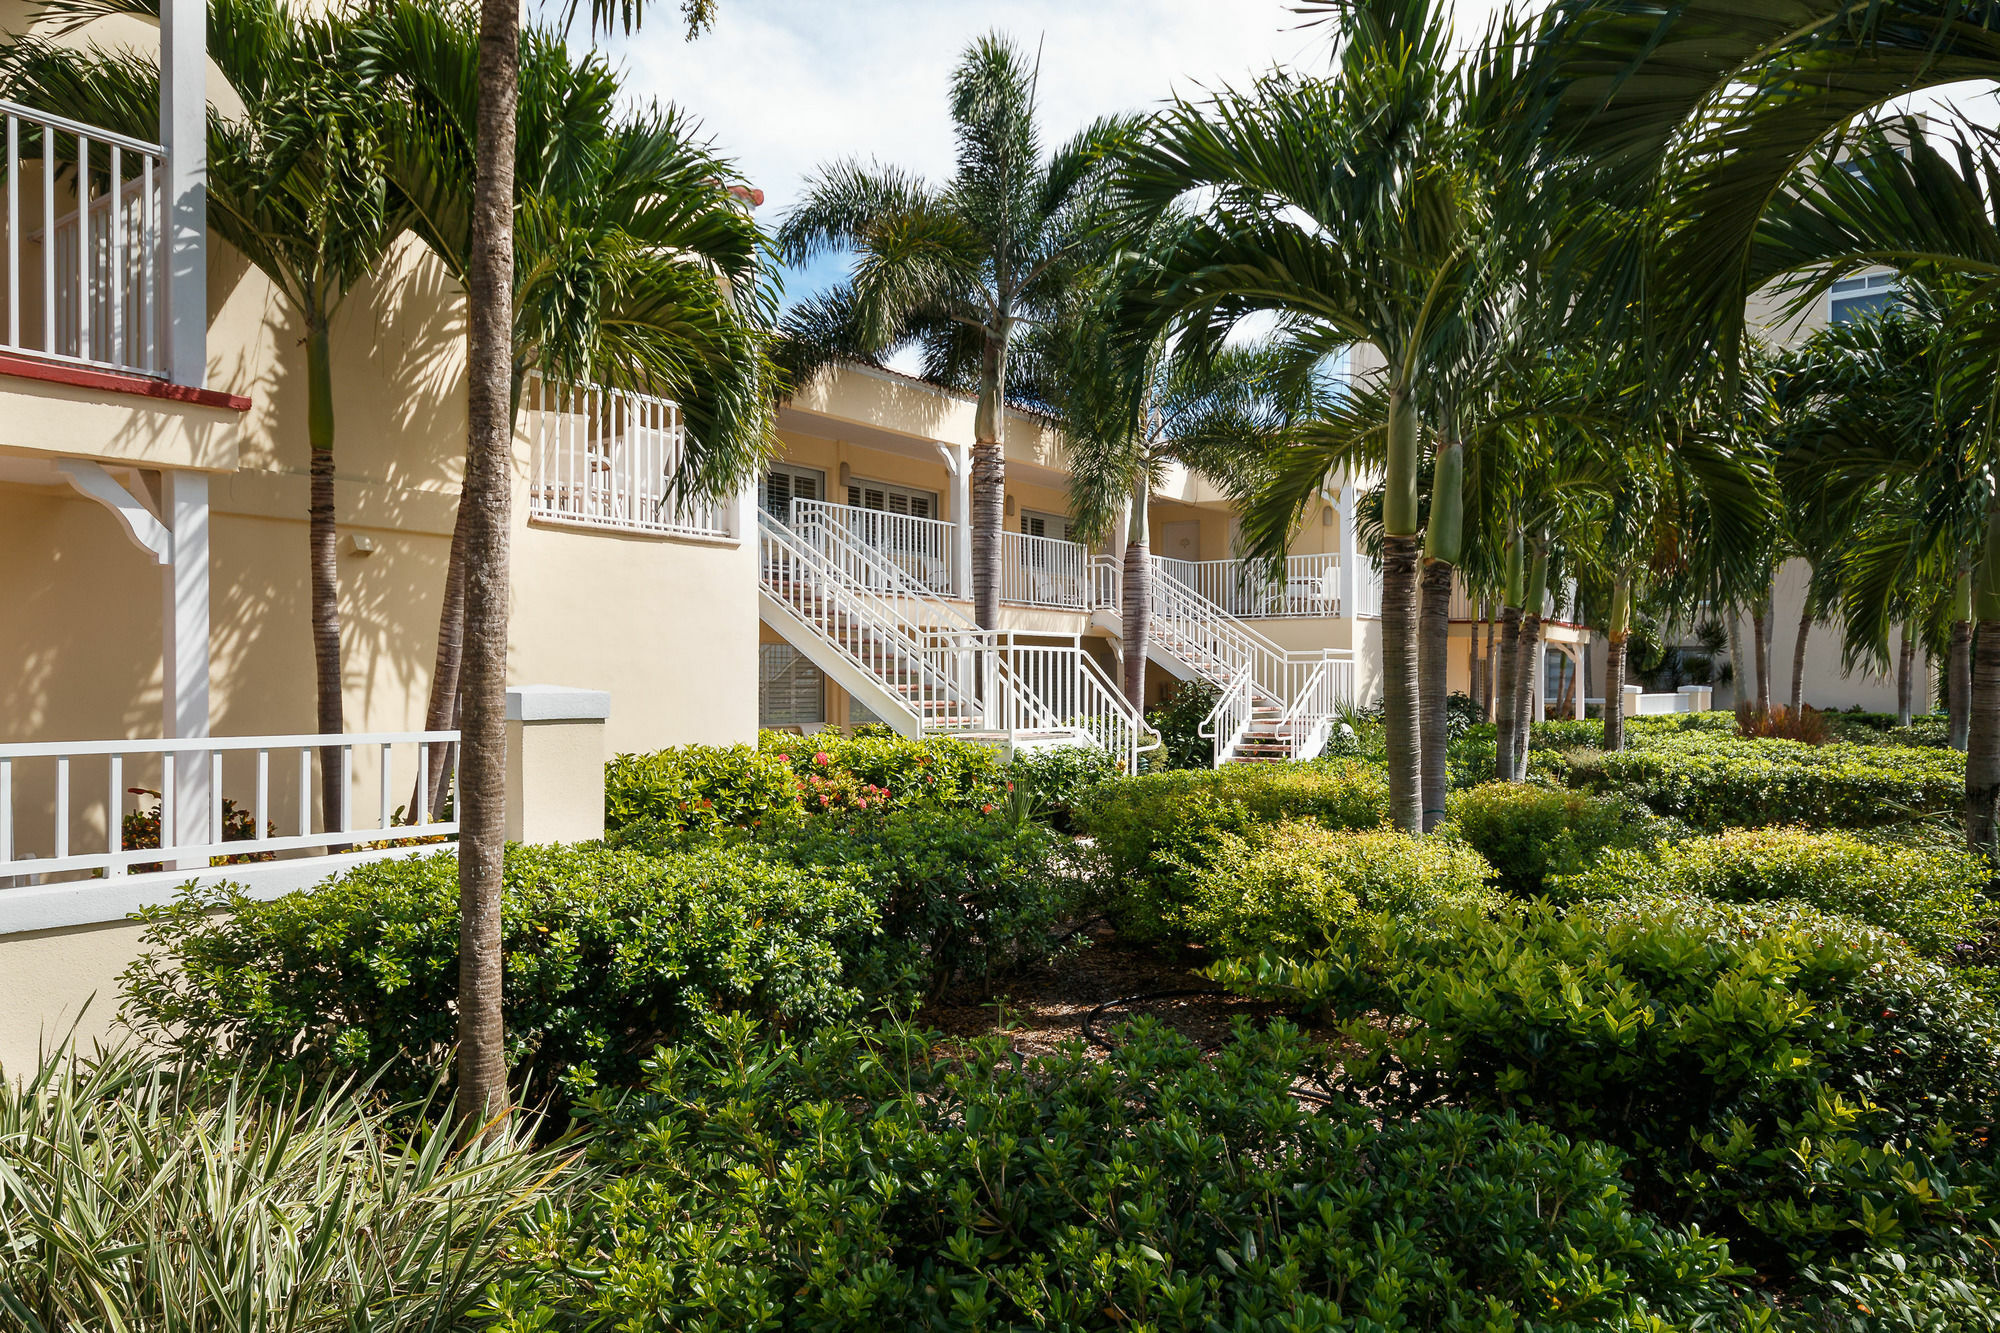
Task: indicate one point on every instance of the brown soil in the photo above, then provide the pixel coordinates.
(1041, 1009)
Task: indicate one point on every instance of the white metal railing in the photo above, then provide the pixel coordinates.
(1107, 584)
(1060, 687)
(1229, 721)
(610, 458)
(1308, 587)
(920, 548)
(946, 675)
(1044, 571)
(61, 777)
(929, 669)
(88, 283)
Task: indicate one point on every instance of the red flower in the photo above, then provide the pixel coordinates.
(822, 758)
(862, 803)
(707, 804)
(985, 809)
(784, 759)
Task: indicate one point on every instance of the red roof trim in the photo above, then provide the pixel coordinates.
(112, 381)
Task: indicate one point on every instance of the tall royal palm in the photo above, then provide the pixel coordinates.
(636, 264)
(958, 270)
(296, 185)
(1355, 209)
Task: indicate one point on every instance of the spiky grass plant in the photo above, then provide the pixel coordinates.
(136, 1195)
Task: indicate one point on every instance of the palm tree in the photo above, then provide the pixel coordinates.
(1357, 209)
(1218, 417)
(637, 266)
(296, 185)
(1897, 200)
(957, 270)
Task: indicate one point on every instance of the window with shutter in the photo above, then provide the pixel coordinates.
(786, 482)
(791, 691)
(892, 499)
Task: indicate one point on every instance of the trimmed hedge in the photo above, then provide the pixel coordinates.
(1776, 1073)
(1155, 833)
(862, 1181)
(607, 953)
(1531, 832)
(698, 790)
(1718, 781)
(1934, 898)
(1296, 885)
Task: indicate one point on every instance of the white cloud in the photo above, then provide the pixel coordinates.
(787, 87)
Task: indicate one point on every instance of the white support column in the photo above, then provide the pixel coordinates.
(961, 520)
(1582, 685)
(184, 134)
(1540, 686)
(184, 651)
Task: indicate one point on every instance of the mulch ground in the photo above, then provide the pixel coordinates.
(1041, 1009)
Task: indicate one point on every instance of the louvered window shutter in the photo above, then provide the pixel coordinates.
(778, 494)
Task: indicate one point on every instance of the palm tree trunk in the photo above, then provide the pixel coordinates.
(1799, 656)
(1906, 677)
(443, 704)
(1614, 692)
(1433, 645)
(1617, 630)
(1524, 692)
(1486, 669)
(486, 503)
(323, 558)
(1136, 609)
(1472, 656)
(989, 482)
(1760, 632)
(1736, 663)
(1982, 754)
(1402, 735)
(1507, 667)
(1958, 683)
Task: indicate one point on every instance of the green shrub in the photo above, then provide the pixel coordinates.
(607, 952)
(856, 1182)
(1531, 832)
(1178, 723)
(697, 789)
(965, 894)
(1934, 898)
(1052, 784)
(941, 769)
(140, 1196)
(1295, 885)
(1153, 834)
(1716, 781)
(1796, 1080)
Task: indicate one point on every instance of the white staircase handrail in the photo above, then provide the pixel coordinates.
(868, 631)
(1229, 721)
(814, 519)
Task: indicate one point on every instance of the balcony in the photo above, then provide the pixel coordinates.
(1309, 588)
(612, 459)
(85, 250)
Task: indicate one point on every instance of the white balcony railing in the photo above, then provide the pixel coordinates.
(1044, 571)
(609, 458)
(86, 282)
(1309, 586)
(82, 793)
(921, 548)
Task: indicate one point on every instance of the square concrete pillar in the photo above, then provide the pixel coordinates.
(555, 763)
(1632, 695)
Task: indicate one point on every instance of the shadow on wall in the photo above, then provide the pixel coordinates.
(81, 606)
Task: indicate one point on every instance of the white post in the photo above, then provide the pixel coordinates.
(1540, 685)
(184, 134)
(1582, 685)
(961, 521)
(1350, 558)
(184, 652)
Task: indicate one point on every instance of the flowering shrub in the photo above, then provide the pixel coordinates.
(140, 829)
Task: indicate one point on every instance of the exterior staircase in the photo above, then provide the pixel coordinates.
(1276, 705)
(914, 659)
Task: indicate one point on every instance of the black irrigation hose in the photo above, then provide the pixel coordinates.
(1090, 1029)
